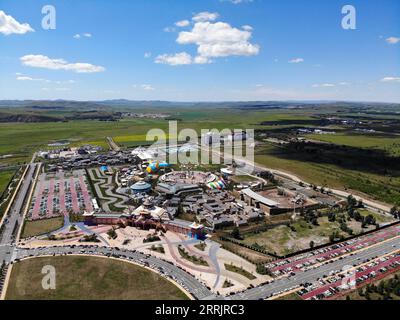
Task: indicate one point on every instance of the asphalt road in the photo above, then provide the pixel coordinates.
(15, 215)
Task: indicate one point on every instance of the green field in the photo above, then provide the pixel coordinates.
(40, 227)
(390, 144)
(5, 178)
(89, 278)
(29, 137)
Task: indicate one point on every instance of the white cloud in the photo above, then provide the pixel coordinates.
(41, 61)
(147, 87)
(182, 58)
(26, 78)
(85, 35)
(344, 83)
(393, 40)
(213, 40)
(247, 28)
(205, 16)
(147, 55)
(201, 60)
(219, 40)
(324, 85)
(391, 79)
(296, 60)
(182, 23)
(8, 25)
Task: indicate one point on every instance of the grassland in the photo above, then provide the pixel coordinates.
(390, 144)
(89, 278)
(284, 240)
(29, 137)
(40, 227)
(5, 178)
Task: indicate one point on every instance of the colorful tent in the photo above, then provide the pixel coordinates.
(155, 166)
(217, 185)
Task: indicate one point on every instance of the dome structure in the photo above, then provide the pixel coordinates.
(140, 187)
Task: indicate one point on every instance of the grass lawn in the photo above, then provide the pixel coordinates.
(201, 246)
(40, 227)
(241, 271)
(192, 258)
(244, 179)
(89, 278)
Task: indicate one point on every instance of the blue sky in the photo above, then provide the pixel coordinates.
(220, 51)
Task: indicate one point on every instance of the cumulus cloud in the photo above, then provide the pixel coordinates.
(182, 23)
(41, 61)
(213, 40)
(205, 16)
(296, 60)
(391, 79)
(8, 25)
(147, 55)
(219, 39)
(393, 40)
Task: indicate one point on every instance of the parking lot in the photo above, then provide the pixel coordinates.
(60, 194)
(337, 285)
(307, 261)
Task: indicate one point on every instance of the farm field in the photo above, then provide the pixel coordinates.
(89, 278)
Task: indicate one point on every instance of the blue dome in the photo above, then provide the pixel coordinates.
(141, 187)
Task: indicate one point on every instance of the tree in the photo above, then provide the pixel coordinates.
(236, 233)
(351, 202)
(312, 244)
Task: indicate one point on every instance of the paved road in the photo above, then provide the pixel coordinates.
(15, 216)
